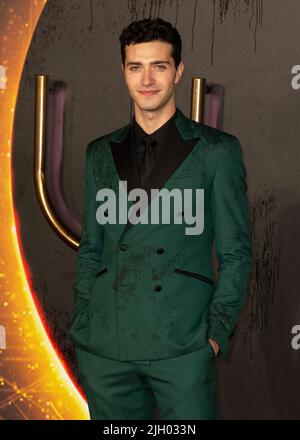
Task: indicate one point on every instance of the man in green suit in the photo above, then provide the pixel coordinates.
(149, 320)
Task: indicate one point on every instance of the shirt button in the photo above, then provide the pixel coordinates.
(157, 288)
(123, 247)
(160, 250)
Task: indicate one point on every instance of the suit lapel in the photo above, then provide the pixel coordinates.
(168, 161)
(125, 163)
(176, 149)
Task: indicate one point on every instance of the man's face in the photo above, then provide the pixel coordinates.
(150, 74)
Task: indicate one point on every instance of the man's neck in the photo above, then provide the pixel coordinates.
(151, 121)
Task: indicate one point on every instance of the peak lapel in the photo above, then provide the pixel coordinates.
(124, 162)
(176, 149)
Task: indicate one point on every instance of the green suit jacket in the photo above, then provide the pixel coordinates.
(146, 291)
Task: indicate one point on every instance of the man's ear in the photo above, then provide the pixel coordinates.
(179, 72)
(122, 67)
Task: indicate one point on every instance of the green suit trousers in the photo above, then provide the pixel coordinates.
(181, 387)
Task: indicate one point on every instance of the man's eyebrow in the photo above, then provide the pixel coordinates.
(137, 63)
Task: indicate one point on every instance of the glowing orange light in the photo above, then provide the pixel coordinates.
(34, 381)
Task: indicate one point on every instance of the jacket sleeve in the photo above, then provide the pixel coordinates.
(91, 243)
(230, 212)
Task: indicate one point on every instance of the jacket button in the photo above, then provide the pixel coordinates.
(123, 247)
(160, 250)
(157, 288)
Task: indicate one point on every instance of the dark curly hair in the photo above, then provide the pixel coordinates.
(149, 29)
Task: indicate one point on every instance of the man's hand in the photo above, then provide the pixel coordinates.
(215, 346)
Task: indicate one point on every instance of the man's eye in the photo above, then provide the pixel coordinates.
(160, 67)
(134, 68)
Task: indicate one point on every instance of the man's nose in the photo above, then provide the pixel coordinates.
(147, 77)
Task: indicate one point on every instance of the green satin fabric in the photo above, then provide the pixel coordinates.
(177, 388)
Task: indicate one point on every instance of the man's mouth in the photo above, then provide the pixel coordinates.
(148, 92)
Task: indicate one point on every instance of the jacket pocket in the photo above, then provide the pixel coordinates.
(98, 274)
(101, 271)
(195, 275)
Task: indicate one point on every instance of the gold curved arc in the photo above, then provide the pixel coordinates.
(41, 88)
(41, 94)
(198, 99)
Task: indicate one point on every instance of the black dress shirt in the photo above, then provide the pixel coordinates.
(160, 135)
